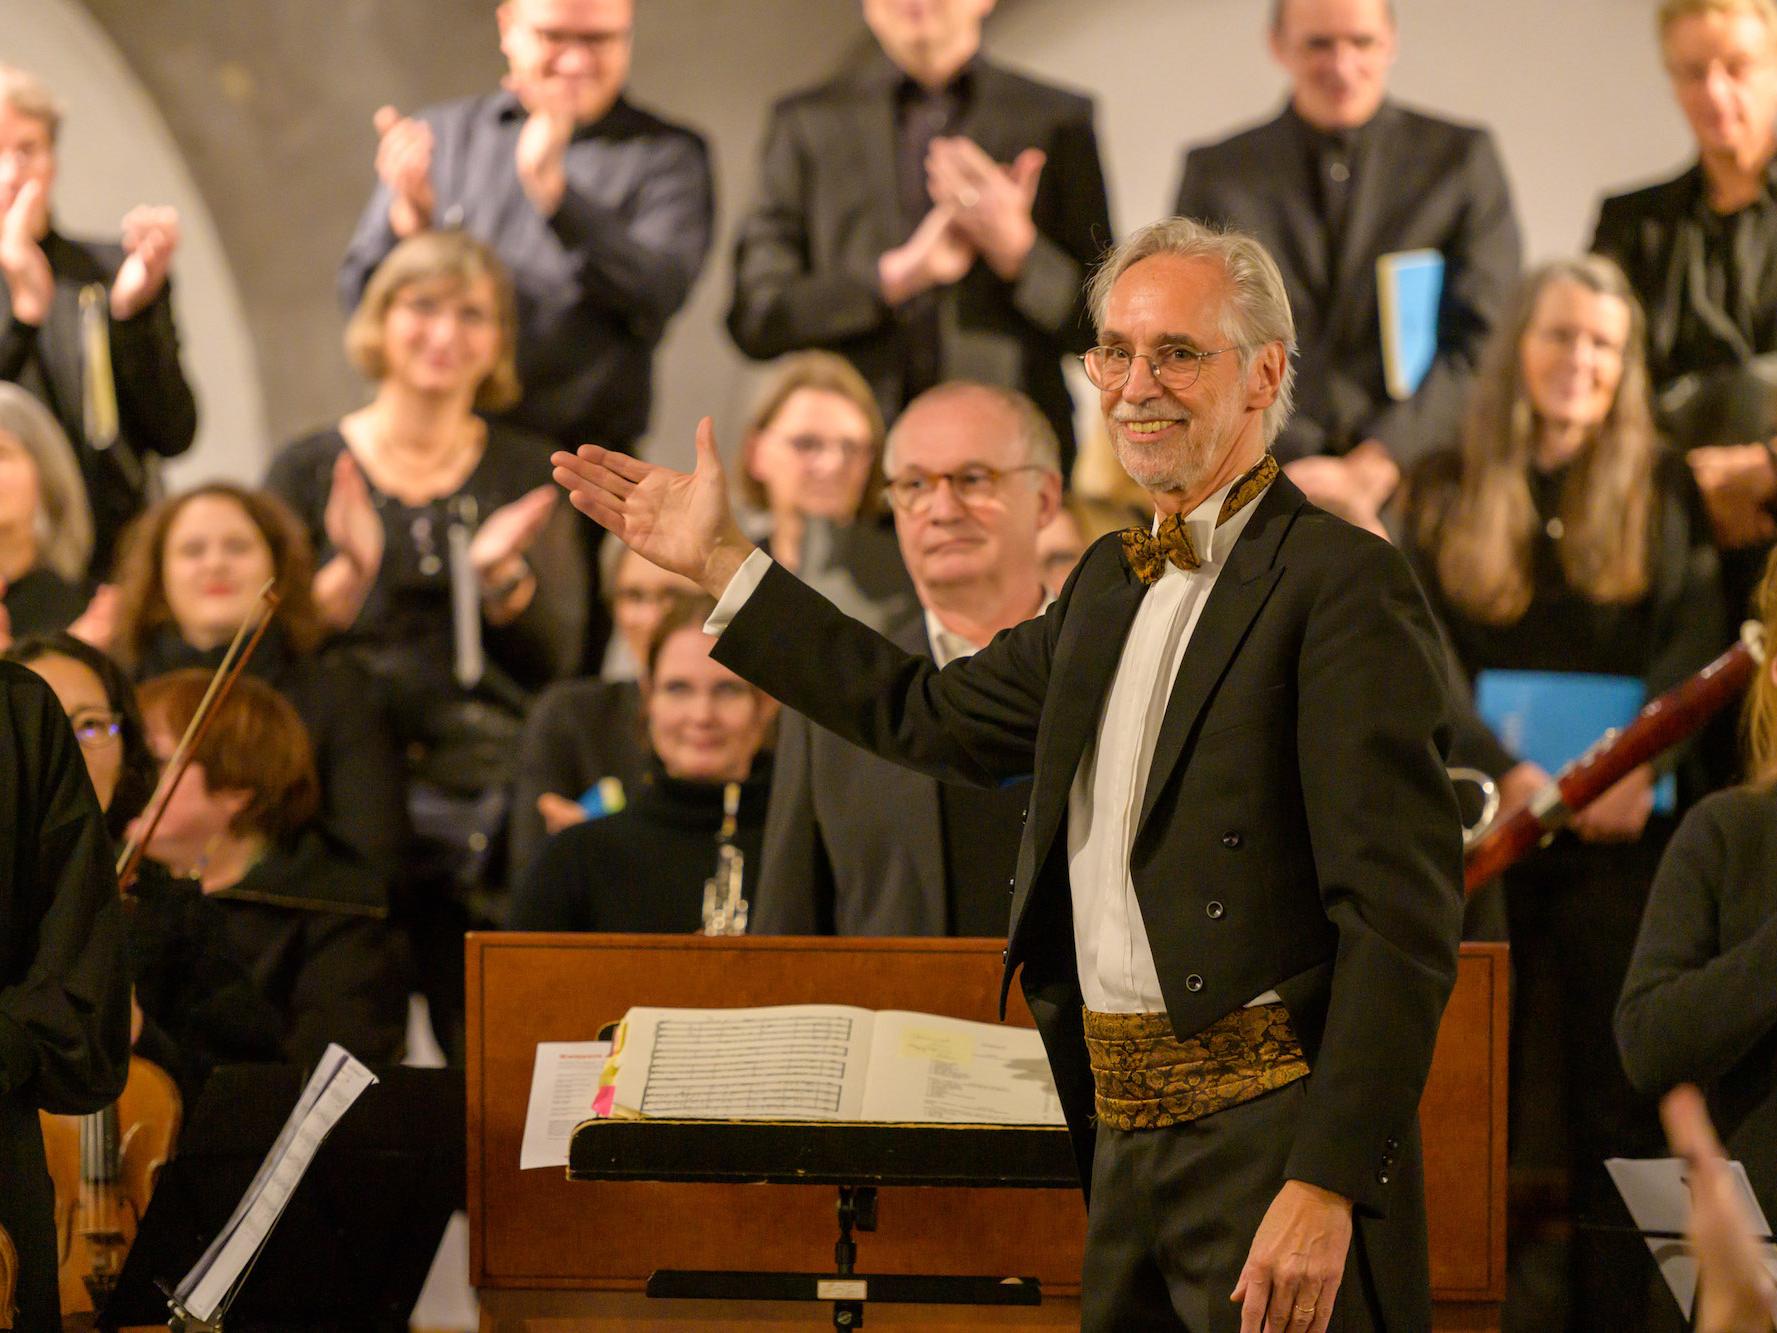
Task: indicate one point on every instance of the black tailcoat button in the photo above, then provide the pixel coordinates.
(1214, 911)
(1193, 982)
(1231, 840)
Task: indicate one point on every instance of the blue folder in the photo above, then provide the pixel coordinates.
(1409, 292)
(1552, 718)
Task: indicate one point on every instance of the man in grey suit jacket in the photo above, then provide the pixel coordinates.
(928, 215)
(854, 844)
(1341, 178)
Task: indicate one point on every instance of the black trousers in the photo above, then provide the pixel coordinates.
(1173, 1216)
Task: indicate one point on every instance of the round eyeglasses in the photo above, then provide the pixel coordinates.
(913, 492)
(1174, 365)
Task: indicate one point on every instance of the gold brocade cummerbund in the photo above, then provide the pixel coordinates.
(1146, 1078)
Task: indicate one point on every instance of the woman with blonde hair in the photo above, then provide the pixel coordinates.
(1698, 1004)
(46, 529)
(1566, 551)
(440, 568)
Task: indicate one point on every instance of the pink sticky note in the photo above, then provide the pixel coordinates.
(601, 1103)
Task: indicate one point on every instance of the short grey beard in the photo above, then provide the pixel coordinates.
(1181, 473)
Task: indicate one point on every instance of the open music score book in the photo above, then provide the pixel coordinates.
(828, 1062)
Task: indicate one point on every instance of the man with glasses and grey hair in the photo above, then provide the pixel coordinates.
(855, 844)
(1237, 896)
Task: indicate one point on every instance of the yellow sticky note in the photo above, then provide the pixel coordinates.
(933, 1044)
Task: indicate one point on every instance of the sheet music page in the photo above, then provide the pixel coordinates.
(1659, 1198)
(564, 1080)
(337, 1082)
(782, 1062)
(925, 1069)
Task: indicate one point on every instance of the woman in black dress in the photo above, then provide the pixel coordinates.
(1699, 1004)
(441, 569)
(1561, 537)
(643, 868)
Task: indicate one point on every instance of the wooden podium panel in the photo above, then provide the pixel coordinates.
(536, 1231)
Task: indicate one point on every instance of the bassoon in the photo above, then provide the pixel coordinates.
(1662, 723)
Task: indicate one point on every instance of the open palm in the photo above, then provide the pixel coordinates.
(680, 521)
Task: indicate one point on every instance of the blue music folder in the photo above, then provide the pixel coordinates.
(1552, 718)
(1409, 293)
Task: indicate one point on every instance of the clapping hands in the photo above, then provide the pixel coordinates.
(22, 261)
(404, 166)
(543, 142)
(150, 237)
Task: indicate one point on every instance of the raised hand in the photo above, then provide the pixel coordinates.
(22, 261)
(936, 255)
(509, 532)
(1735, 1293)
(404, 166)
(1296, 1263)
(354, 528)
(543, 142)
(992, 203)
(680, 521)
(150, 237)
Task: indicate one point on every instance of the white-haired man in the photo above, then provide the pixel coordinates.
(1241, 863)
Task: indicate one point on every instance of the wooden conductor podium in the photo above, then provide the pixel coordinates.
(551, 1255)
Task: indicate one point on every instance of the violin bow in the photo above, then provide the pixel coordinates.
(234, 661)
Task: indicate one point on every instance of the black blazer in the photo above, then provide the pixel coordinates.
(156, 412)
(828, 207)
(1297, 784)
(1655, 235)
(1419, 183)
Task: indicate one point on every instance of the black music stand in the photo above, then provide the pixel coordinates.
(857, 1158)
(358, 1236)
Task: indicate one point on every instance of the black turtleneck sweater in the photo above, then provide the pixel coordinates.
(642, 869)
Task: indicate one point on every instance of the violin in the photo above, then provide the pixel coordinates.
(104, 1167)
(1662, 723)
(9, 1279)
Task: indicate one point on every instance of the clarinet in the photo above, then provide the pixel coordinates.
(1661, 724)
(724, 909)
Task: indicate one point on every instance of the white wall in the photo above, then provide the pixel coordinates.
(116, 152)
(1572, 88)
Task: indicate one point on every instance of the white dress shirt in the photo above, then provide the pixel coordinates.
(1116, 963)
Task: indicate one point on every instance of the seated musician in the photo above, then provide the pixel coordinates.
(195, 1007)
(643, 868)
(1698, 1005)
(305, 917)
(1561, 538)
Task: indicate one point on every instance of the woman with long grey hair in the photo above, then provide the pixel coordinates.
(1566, 550)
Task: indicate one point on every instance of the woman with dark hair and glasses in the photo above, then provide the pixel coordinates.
(1567, 553)
(195, 1008)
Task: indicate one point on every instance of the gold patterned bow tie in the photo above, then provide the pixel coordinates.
(1148, 553)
